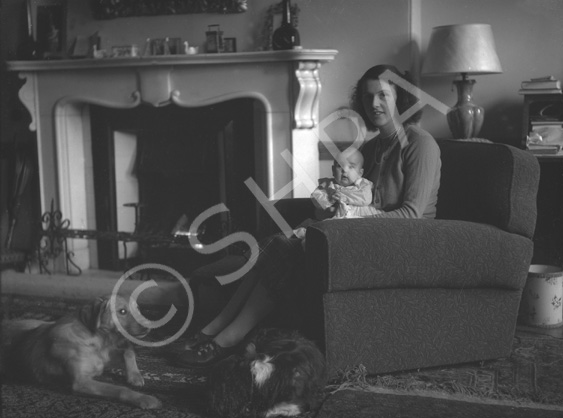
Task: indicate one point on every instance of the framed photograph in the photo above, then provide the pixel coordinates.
(174, 46)
(48, 19)
(111, 9)
(125, 51)
(157, 46)
(229, 44)
(213, 39)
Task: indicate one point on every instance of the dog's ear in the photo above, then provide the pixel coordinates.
(91, 315)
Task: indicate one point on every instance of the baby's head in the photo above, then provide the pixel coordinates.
(348, 166)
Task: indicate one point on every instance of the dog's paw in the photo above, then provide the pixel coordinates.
(135, 379)
(149, 402)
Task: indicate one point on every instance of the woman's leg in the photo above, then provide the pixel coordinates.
(276, 264)
(278, 259)
(257, 307)
(233, 306)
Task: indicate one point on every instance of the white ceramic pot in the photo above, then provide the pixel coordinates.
(542, 298)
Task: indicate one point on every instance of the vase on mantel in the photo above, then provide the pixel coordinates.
(286, 36)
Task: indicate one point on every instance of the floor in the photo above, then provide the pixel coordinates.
(362, 405)
(556, 332)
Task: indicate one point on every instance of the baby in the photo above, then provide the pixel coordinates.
(348, 194)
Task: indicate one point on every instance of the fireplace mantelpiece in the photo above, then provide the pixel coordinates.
(285, 84)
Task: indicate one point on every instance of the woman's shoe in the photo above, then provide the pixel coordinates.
(207, 354)
(196, 340)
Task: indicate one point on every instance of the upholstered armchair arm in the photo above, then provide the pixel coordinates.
(489, 183)
(354, 254)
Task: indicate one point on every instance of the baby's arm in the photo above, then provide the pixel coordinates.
(356, 195)
(322, 196)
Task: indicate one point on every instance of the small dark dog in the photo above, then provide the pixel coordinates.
(76, 349)
(280, 374)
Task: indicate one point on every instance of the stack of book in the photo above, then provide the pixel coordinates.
(541, 85)
(546, 130)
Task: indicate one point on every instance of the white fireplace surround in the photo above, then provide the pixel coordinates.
(285, 84)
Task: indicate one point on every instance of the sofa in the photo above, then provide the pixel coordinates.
(403, 294)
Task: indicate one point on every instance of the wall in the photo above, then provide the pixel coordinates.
(528, 36)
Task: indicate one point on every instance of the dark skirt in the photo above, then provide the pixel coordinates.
(279, 264)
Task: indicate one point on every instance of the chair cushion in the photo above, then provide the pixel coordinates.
(415, 253)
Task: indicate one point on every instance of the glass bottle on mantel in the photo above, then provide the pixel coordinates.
(28, 48)
(286, 36)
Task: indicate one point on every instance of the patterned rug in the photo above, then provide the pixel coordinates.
(532, 376)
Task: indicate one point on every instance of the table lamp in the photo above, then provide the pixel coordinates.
(467, 49)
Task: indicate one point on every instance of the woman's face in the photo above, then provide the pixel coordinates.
(378, 99)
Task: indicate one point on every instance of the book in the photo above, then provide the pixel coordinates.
(544, 78)
(540, 91)
(550, 84)
(544, 149)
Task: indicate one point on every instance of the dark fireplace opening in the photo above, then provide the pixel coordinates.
(179, 162)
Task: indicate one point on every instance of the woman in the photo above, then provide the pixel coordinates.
(402, 161)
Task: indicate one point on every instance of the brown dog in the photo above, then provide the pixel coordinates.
(76, 349)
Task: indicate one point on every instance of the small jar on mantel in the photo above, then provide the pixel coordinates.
(286, 36)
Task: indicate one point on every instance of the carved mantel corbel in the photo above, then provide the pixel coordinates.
(307, 104)
(27, 95)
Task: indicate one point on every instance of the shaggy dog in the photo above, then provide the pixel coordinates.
(280, 374)
(76, 349)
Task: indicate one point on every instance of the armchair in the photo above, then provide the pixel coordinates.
(400, 294)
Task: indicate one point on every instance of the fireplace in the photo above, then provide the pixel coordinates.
(83, 107)
(157, 169)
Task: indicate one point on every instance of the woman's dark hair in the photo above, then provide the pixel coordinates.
(405, 100)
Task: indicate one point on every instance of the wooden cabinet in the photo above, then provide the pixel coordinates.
(548, 238)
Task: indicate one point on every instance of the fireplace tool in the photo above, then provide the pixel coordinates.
(24, 169)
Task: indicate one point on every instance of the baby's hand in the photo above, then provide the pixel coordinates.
(340, 197)
(324, 183)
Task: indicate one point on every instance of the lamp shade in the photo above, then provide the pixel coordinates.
(468, 48)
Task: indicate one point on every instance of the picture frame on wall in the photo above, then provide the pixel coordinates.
(48, 19)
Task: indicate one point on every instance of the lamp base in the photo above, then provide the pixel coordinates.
(465, 118)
